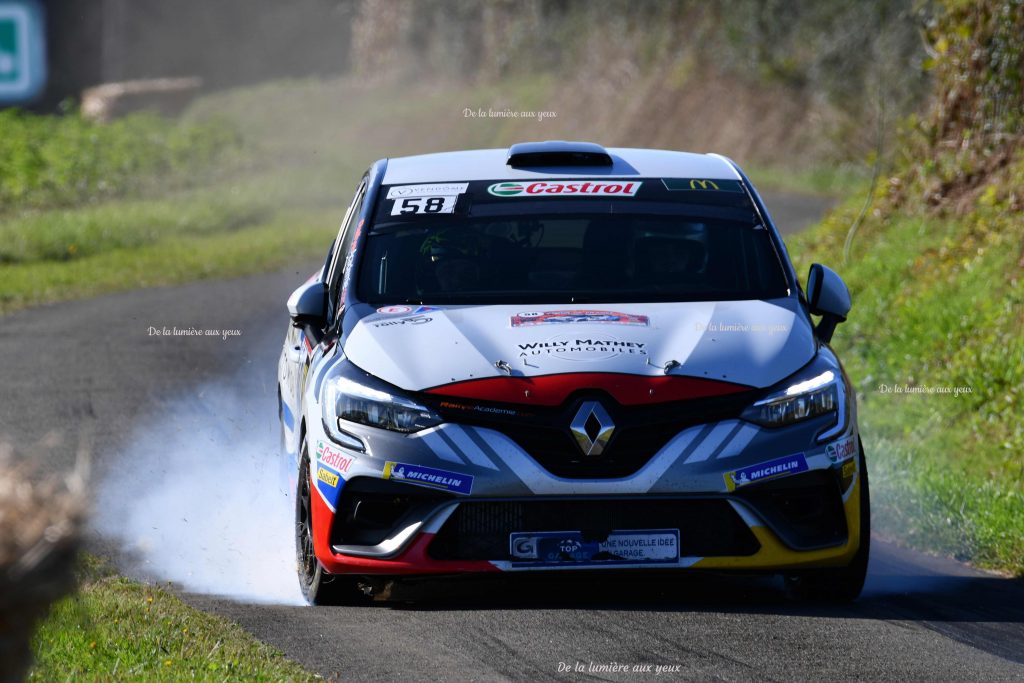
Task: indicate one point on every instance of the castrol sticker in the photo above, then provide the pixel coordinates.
(567, 188)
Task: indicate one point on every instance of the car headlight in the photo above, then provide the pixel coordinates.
(803, 400)
(345, 399)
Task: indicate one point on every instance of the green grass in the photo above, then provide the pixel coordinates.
(114, 629)
(289, 238)
(89, 209)
(250, 224)
(48, 161)
(938, 306)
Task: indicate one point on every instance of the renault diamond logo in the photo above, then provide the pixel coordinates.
(592, 428)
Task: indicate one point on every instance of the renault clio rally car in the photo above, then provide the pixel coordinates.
(561, 357)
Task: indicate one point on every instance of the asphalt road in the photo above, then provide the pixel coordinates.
(181, 434)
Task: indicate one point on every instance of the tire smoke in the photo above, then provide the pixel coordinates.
(199, 498)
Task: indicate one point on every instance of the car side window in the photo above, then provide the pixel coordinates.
(340, 260)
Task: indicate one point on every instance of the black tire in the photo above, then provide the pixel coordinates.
(842, 584)
(317, 586)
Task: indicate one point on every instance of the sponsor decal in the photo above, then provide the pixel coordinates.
(394, 310)
(841, 451)
(332, 457)
(578, 316)
(414, 320)
(349, 260)
(780, 467)
(560, 188)
(327, 477)
(404, 310)
(573, 547)
(486, 410)
(425, 199)
(849, 469)
(423, 205)
(429, 477)
(702, 184)
(582, 348)
(431, 190)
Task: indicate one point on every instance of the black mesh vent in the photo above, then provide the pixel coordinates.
(480, 530)
(806, 510)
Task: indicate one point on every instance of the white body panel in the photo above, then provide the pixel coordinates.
(755, 343)
(487, 164)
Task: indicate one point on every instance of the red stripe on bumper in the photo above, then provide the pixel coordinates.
(413, 560)
(552, 390)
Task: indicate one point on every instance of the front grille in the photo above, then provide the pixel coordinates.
(640, 431)
(480, 530)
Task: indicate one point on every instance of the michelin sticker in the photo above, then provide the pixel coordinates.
(780, 467)
(429, 477)
(841, 451)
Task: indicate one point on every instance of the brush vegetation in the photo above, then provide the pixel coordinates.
(937, 276)
(40, 519)
(52, 161)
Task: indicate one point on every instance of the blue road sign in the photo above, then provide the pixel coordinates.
(22, 51)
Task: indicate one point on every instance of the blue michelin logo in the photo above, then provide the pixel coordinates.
(780, 467)
(429, 477)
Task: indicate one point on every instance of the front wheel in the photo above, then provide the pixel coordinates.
(841, 584)
(318, 587)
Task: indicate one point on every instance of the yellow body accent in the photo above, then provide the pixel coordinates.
(774, 554)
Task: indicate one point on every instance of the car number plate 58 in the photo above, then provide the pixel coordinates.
(571, 547)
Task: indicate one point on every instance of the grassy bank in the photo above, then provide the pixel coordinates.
(937, 275)
(54, 161)
(89, 209)
(934, 344)
(115, 629)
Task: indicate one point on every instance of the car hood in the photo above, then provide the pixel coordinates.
(741, 344)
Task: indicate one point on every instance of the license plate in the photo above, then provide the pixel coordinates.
(649, 546)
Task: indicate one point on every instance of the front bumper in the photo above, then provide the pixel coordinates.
(465, 490)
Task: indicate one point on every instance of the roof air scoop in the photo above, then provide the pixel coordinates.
(557, 153)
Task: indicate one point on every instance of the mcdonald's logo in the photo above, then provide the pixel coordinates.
(702, 184)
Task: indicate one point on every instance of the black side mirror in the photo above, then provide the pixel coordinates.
(308, 305)
(827, 296)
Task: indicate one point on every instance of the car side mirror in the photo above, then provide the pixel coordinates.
(308, 305)
(827, 296)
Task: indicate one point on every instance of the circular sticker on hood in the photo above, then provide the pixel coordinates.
(394, 310)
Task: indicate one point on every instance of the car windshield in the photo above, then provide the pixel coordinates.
(478, 249)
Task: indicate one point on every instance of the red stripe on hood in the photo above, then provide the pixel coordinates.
(552, 390)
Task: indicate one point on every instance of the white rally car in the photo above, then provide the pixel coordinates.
(560, 357)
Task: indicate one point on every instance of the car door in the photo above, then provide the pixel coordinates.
(302, 344)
